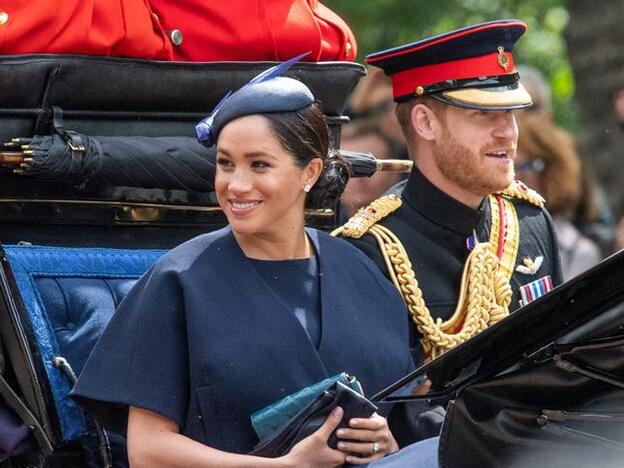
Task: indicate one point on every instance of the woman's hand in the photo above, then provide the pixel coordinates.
(313, 451)
(366, 440)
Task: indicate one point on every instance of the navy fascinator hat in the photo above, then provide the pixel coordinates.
(267, 92)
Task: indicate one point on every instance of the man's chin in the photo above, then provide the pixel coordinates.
(502, 183)
(494, 187)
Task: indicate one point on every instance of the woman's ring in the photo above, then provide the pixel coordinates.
(375, 448)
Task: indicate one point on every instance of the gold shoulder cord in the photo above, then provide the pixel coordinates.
(361, 222)
(485, 292)
(520, 191)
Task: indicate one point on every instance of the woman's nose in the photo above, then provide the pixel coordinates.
(239, 182)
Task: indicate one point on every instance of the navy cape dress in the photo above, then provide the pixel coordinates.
(204, 341)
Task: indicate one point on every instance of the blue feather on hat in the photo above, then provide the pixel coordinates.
(258, 95)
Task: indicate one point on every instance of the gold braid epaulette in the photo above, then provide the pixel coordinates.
(485, 292)
(484, 297)
(520, 191)
(365, 218)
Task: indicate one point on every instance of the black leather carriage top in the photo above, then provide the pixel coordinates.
(118, 96)
(103, 96)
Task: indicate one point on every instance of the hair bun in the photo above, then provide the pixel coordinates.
(331, 183)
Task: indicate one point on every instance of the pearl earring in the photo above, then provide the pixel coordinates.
(307, 188)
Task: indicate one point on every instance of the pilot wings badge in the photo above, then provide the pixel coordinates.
(530, 267)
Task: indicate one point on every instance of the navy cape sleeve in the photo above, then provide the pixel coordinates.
(141, 358)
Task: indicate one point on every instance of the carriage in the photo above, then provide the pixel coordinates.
(130, 182)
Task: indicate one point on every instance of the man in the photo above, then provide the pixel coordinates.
(464, 243)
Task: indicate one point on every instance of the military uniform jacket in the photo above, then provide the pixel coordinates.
(202, 339)
(433, 228)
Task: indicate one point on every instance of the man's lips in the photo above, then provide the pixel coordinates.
(503, 155)
(498, 154)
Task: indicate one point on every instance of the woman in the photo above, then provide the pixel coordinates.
(547, 161)
(236, 319)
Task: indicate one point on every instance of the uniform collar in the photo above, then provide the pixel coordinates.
(439, 207)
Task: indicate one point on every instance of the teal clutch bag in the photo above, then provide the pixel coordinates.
(270, 419)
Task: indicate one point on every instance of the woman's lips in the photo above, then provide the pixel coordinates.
(239, 207)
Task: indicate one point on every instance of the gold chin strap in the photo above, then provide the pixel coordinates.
(485, 292)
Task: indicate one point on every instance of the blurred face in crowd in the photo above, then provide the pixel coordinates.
(258, 183)
(389, 125)
(362, 191)
(529, 170)
(474, 150)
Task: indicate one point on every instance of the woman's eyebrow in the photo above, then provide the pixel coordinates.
(255, 154)
(249, 155)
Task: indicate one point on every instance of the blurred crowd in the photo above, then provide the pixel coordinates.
(619, 112)
(373, 129)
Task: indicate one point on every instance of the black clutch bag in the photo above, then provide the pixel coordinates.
(312, 416)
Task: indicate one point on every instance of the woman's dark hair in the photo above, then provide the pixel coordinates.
(305, 135)
(540, 138)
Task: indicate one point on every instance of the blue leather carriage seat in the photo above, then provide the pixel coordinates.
(69, 295)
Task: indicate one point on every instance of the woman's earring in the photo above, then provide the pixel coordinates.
(307, 188)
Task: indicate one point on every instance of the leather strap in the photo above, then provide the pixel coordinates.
(72, 138)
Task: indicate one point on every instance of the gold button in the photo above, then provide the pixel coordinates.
(348, 49)
(420, 90)
(4, 17)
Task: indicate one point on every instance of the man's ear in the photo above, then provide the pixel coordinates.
(425, 122)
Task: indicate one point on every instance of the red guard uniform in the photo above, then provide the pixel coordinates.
(189, 30)
(254, 30)
(122, 28)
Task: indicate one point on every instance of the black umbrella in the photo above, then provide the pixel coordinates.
(147, 162)
(365, 164)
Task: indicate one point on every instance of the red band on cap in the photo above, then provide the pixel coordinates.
(405, 83)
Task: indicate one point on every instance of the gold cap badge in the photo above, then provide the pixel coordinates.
(502, 59)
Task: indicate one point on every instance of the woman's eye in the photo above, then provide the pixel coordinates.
(260, 165)
(224, 162)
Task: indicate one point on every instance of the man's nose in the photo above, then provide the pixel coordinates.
(506, 126)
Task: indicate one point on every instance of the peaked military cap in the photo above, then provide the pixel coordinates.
(471, 67)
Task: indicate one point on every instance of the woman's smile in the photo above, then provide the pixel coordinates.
(243, 207)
